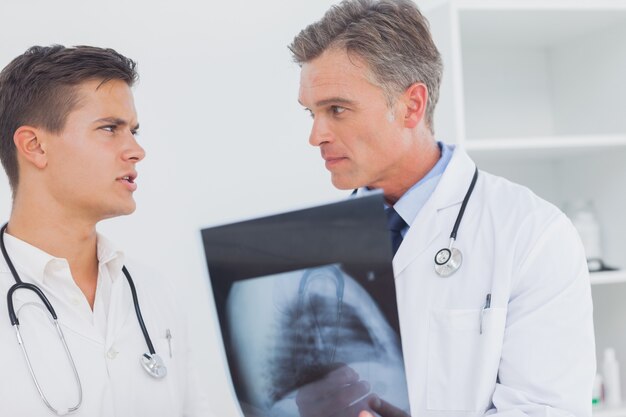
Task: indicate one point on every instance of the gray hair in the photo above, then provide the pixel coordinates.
(391, 36)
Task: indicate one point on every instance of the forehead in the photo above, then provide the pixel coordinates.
(335, 73)
(108, 99)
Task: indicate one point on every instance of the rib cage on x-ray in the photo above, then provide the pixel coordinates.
(305, 352)
(319, 330)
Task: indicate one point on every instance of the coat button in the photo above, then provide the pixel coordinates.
(112, 353)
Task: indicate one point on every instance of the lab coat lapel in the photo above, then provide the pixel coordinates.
(120, 308)
(427, 225)
(424, 229)
(64, 310)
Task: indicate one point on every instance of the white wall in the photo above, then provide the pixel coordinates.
(224, 134)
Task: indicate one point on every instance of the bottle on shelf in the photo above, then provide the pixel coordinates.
(585, 221)
(596, 393)
(612, 386)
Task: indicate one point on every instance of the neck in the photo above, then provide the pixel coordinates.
(61, 235)
(416, 166)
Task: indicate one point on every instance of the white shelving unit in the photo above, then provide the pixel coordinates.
(608, 277)
(535, 91)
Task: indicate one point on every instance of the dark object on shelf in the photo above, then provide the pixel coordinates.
(597, 265)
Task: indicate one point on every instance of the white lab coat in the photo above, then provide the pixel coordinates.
(536, 353)
(113, 381)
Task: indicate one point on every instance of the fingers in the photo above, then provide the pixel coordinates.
(333, 381)
(355, 409)
(339, 377)
(333, 395)
(385, 409)
(333, 402)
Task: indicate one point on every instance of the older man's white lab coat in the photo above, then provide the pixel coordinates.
(535, 354)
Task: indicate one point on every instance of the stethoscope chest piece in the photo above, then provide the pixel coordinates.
(154, 365)
(448, 261)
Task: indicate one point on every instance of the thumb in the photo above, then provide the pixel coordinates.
(365, 414)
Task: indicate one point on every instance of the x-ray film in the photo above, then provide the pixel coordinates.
(307, 309)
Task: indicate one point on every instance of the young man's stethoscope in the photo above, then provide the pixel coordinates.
(151, 362)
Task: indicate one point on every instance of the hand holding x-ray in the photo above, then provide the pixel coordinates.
(342, 393)
(383, 409)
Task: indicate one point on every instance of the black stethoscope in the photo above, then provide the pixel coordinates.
(448, 260)
(151, 362)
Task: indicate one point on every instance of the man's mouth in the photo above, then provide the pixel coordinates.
(130, 178)
(129, 181)
(332, 161)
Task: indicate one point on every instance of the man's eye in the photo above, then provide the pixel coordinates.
(310, 112)
(134, 132)
(109, 128)
(337, 109)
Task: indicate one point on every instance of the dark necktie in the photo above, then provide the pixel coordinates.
(395, 224)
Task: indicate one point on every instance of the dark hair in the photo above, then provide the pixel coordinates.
(38, 88)
(391, 36)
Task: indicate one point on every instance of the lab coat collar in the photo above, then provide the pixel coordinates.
(31, 262)
(427, 225)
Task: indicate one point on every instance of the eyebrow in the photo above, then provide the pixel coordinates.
(116, 121)
(331, 100)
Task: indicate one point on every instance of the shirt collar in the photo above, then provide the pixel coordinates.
(31, 262)
(411, 202)
(110, 256)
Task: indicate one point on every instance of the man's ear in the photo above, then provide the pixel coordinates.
(30, 147)
(415, 99)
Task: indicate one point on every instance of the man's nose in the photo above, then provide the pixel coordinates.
(134, 152)
(320, 132)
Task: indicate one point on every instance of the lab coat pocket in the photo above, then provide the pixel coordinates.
(463, 361)
(168, 386)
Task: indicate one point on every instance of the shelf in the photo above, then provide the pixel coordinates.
(544, 147)
(607, 277)
(602, 411)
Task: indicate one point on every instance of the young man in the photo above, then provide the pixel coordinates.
(510, 331)
(68, 144)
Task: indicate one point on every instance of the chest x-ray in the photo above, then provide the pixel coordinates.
(305, 298)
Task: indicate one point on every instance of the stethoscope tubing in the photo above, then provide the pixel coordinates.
(459, 216)
(36, 290)
(449, 260)
(138, 311)
(19, 284)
